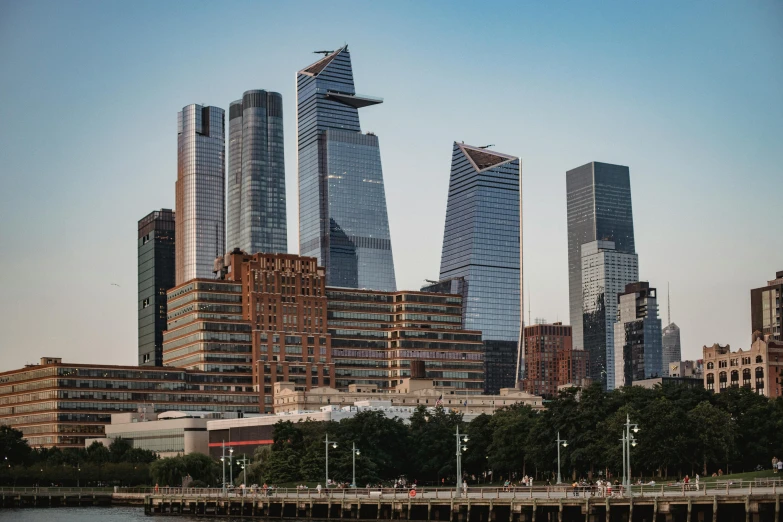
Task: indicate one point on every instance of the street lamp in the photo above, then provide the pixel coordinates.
(223, 459)
(559, 441)
(354, 452)
(244, 462)
(334, 445)
(628, 441)
(231, 464)
(460, 448)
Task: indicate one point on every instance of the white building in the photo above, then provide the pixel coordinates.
(605, 272)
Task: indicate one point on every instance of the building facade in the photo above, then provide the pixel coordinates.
(605, 272)
(766, 308)
(672, 351)
(550, 360)
(376, 335)
(62, 404)
(599, 208)
(343, 221)
(482, 246)
(759, 368)
(256, 208)
(156, 277)
(637, 335)
(687, 369)
(200, 191)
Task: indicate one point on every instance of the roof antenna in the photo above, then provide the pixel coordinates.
(668, 304)
(529, 312)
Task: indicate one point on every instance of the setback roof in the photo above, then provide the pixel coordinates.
(483, 159)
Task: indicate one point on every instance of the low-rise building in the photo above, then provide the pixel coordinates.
(691, 369)
(759, 368)
(651, 383)
(62, 404)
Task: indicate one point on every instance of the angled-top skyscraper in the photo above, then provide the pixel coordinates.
(481, 243)
(200, 191)
(256, 219)
(599, 209)
(342, 202)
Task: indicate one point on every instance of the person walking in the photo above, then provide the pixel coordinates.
(465, 487)
(780, 466)
(317, 488)
(774, 464)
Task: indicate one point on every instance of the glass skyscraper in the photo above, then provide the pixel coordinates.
(599, 208)
(672, 351)
(200, 191)
(156, 276)
(342, 202)
(482, 244)
(637, 335)
(256, 213)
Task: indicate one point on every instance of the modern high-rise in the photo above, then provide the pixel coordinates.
(766, 309)
(156, 276)
(637, 335)
(200, 191)
(605, 272)
(342, 202)
(599, 208)
(482, 245)
(672, 351)
(550, 361)
(256, 209)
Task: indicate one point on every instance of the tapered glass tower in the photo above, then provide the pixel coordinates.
(200, 191)
(256, 219)
(481, 243)
(342, 202)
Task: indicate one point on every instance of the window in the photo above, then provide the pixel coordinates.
(145, 303)
(710, 366)
(759, 359)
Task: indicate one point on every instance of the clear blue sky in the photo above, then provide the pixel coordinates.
(688, 94)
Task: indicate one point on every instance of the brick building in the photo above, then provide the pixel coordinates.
(759, 368)
(550, 360)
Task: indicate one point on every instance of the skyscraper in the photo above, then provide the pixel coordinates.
(672, 351)
(342, 203)
(605, 272)
(637, 335)
(482, 244)
(599, 208)
(156, 276)
(766, 308)
(256, 219)
(200, 191)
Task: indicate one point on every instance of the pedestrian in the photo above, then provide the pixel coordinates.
(774, 464)
(575, 485)
(318, 488)
(464, 487)
(780, 466)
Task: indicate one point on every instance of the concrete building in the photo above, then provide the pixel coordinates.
(62, 404)
(665, 381)
(637, 335)
(550, 360)
(766, 309)
(168, 434)
(687, 369)
(327, 404)
(759, 368)
(605, 272)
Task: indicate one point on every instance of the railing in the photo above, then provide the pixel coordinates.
(726, 487)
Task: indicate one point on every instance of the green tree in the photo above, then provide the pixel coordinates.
(713, 429)
(13, 447)
(510, 428)
(168, 471)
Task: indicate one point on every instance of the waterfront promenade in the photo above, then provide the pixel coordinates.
(751, 501)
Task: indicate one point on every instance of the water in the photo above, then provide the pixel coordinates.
(95, 514)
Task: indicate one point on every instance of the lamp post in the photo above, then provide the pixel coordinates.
(559, 441)
(78, 474)
(334, 445)
(223, 459)
(244, 462)
(231, 464)
(460, 448)
(628, 441)
(354, 452)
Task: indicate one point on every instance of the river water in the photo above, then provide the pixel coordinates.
(94, 514)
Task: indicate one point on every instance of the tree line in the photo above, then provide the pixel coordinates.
(682, 431)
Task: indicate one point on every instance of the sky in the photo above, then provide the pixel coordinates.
(689, 95)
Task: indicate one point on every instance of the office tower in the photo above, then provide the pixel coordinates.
(550, 360)
(482, 245)
(599, 208)
(605, 272)
(342, 202)
(256, 210)
(375, 335)
(637, 335)
(200, 191)
(156, 276)
(766, 309)
(672, 352)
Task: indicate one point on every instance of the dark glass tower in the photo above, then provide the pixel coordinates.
(481, 243)
(256, 218)
(156, 276)
(342, 202)
(599, 208)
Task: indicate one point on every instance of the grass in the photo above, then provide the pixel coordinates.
(750, 475)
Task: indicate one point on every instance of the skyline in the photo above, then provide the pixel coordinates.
(73, 194)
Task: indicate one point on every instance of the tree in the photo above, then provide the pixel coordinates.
(13, 446)
(510, 427)
(201, 467)
(168, 471)
(713, 430)
(97, 453)
(118, 448)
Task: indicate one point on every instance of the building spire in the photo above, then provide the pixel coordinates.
(668, 304)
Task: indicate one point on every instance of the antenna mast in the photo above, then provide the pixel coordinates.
(668, 304)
